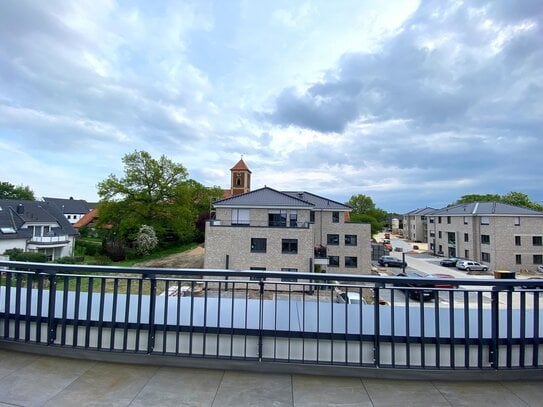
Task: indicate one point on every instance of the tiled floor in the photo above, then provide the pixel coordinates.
(33, 380)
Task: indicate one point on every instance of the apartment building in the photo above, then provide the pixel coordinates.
(268, 229)
(505, 237)
(415, 225)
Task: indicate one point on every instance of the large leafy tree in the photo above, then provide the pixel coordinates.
(154, 192)
(10, 191)
(511, 198)
(364, 210)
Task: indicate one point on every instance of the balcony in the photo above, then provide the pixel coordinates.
(255, 224)
(254, 317)
(49, 240)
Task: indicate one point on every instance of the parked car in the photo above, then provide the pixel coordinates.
(450, 262)
(391, 261)
(349, 297)
(415, 290)
(470, 265)
(444, 285)
(540, 268)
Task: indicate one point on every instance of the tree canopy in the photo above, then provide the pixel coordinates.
(511, 198)
(364, 210)
(10, 191)
(153, 192)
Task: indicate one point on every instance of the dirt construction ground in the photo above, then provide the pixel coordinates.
(189, 259)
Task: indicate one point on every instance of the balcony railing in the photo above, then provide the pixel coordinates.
(267, 224)
(49, 239)
(256, 316)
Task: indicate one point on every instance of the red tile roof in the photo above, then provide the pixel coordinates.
(241, 166)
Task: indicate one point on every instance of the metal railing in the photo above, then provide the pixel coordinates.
(398, 322)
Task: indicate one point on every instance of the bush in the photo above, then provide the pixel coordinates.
(146, 241)
(20, 255)
(87, 247)
(68, 260)
(101, 261)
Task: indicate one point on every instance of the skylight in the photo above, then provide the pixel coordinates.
(7, 230)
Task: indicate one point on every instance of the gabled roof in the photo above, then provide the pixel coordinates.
(264, 197)
(72, 206)
(89, 217)
(240, 165)
(318, 202)
(487, 209)
(15, 213)
(422, 211)
(271, 198)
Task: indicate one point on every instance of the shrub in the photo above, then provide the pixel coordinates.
(146, 240)
(20, 255)
(67, 260)
(89, 248)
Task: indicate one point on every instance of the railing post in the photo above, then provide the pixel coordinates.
(495, 321)
(152, 306)
(51, 324)
(260, 318)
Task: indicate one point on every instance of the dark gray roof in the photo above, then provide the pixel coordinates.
(486, 209)
(319, 202)
(264, 197)
(422, 211)
(15, 213)
(72, 206)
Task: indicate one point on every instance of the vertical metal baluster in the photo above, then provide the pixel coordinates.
(191, 320)
(466, 331)
(377, 328)
(88, 318)
(522, 350)
(422, 330)
(101, 311)
(114, 313)
(451, 330)
(51, 323)
(7, 304)
(290, 319)
(480, 328)
(407, 330)
(536, 333)
(246, 317)
(77, 302)
(508, 355)
(178, 317)
(127, 314)
(28, 307)
(39, 305)
(152, 310)
(63, 323)
(204, 332)
(437, 331)
(232, 308)
(166, 306)
(494, 356)
(17, 319)
(139, 312)
(218, 351)
(393, 323)
(275, 323)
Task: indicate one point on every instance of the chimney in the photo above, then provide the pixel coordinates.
(20, 209)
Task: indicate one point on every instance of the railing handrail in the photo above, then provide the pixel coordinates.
(53, 268)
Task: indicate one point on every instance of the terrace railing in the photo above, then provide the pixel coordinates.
(262, 317)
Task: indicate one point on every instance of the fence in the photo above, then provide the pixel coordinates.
(259, 316)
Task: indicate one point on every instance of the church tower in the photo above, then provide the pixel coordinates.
(240, 181)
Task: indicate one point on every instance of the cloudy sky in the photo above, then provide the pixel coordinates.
(412, 103)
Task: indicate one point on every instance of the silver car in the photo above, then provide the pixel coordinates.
(470, 265)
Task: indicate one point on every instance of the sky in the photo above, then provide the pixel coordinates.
(413, 103)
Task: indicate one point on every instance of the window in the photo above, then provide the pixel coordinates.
(432, 219)
(449, 220)
(466, 254)
(333, 261)
(351, 261)
(293, 219)
(451, 239)
(518, 259)
(240, 217)
(485, 220)
(440, 250)
(517, 221)
(335, 217)
(517, 241)
(538, 259)
(466, 237)
(465, 220)
(258, 245)
(312, 216)
(485, 239)
(332, 240)
(439, 234)
(432, 233)
(289, 246)
(289, 279)
(439, 219)
(485, 257)
(350, 240)
(432, 246)
(238, 181)
(536, 240)
(277, 218)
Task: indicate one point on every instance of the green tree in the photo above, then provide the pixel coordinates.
(10, 191)
(470, 198)
(364, 210)
(152, 192)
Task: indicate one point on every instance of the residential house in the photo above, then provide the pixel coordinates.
(295, 231)
(35, 226)
(505, 237)
(72, 209)
(415, 225)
